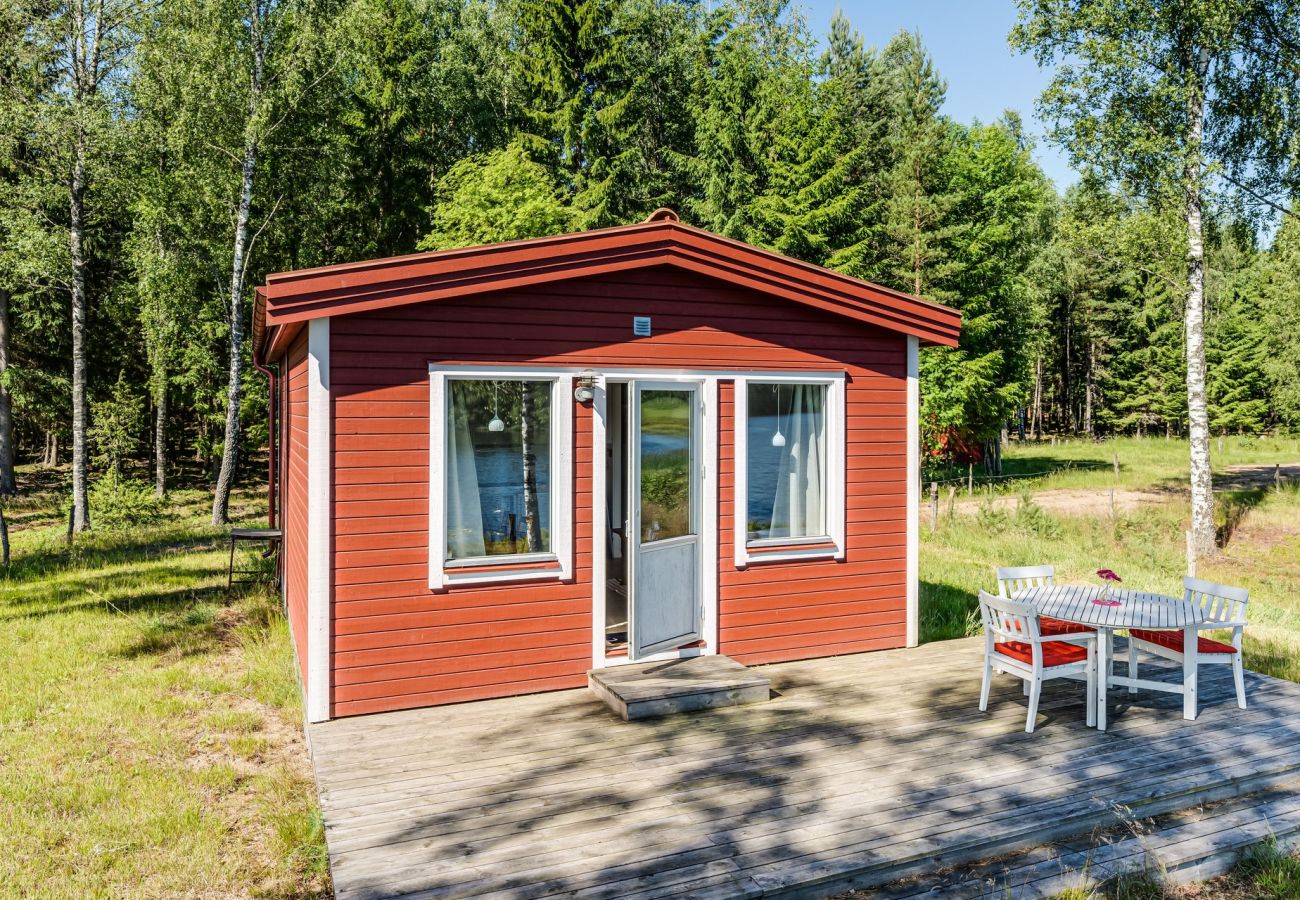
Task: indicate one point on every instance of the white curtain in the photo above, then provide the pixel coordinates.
(800, 488)
(464, 507)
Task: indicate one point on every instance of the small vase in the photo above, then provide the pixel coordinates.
(1104, 598)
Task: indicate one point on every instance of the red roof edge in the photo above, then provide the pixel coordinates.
(290, 298)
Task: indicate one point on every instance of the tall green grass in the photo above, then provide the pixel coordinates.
(150, 727)
(1146, 547)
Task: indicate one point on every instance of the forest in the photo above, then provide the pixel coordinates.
(158, 159)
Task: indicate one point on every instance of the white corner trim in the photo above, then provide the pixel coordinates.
(913, 492)
(319, 475)
(709, 521)
(442, 575)
(437, 455)
(836, 470)
(599, 522)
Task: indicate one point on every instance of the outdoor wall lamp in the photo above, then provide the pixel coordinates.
(585, 392)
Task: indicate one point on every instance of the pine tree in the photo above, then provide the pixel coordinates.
(603, 78)
(918, 224)
(997, 202)
(752, 76)
(1278, 285)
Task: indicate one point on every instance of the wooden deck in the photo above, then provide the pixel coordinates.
(864, 769)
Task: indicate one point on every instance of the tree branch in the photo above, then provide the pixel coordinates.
(1258, 197)
(248, 251)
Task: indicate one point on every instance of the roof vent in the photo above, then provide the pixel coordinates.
(663, 214)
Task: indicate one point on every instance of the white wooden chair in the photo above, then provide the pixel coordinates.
(1014, 645)
(1021, 578)
(1224, 607)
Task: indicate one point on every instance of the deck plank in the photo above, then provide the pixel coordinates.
(860, 769)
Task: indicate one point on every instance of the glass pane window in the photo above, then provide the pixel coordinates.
(665, 435)
(498, 467)
(786, 464)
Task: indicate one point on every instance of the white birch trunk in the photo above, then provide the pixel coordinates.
(160, 443)
(76, 237)
(8, 484)
(1198, 420)
(532, 508)
(230, 447)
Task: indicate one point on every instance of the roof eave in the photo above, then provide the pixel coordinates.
(337, 290)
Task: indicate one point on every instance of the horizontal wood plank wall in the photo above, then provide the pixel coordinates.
(398, 645)
(294, 497)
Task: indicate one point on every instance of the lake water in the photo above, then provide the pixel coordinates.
(501, 490)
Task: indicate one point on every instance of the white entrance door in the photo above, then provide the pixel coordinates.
(664, 527)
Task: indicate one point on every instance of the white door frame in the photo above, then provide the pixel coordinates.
(636, 547)
(708, 511)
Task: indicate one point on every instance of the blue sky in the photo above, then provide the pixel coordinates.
(968, 41)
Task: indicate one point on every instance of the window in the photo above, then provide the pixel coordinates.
(790, 468)
(500, 499)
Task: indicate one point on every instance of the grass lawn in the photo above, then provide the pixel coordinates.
(150, 731)
(1145, 546)
(1144, 462)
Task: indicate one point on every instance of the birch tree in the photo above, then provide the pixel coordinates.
(1178, 98)
(247, 72)
(258, 27)
(86, 45)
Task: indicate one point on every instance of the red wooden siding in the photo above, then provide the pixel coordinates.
(294, 495)
(397, 644)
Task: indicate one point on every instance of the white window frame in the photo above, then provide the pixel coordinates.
(445, 573)
(775, 550)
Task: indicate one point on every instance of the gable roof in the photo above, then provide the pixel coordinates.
(291, 298)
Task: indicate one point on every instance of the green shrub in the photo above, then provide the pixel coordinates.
(1032, 518)
(991, 519)
(123, 503)
(667, 487)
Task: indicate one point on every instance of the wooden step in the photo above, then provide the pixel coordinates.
(680, 685)
(1189, 845)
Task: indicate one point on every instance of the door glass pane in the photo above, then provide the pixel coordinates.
(666, 483)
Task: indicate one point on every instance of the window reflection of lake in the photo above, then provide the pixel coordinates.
(501, 489)
(764, 468)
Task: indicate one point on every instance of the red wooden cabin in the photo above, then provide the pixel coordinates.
(502, 466)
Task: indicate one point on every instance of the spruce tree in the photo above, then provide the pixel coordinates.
(918, 225)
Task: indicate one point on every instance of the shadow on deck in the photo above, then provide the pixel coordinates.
(861, 770)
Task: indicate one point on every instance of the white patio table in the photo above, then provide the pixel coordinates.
(1135, 609)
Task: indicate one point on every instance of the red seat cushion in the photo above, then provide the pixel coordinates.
(1047, 626)
(1174, 641)
(1055, 653)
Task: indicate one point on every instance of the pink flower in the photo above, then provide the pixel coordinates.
(1108, 575)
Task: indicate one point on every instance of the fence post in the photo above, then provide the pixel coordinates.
(952, 499)
(970, 478)
(1116, 459)
(934, 506)
(1277, 477)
